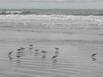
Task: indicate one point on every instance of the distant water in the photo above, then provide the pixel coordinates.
(84, 12)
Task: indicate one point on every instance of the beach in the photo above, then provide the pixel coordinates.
(77, 37)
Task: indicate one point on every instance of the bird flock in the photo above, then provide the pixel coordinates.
(20, 52)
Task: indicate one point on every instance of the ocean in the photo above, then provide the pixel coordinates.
(78, 33)
(83, 12)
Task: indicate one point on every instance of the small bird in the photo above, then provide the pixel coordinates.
(54, 58)
(44, 54)
(22, 51)
(43, 51)
(36, 52)
(93, 56)
(18, 54)
(9, 55)
(31, 48)
(57, 51)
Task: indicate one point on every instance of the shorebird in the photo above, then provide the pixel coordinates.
(18, 54)
(44, 54)
(57, 51)
(36, 52)
(31, 48)
(54, 58)
(9, 55)
(93, 56)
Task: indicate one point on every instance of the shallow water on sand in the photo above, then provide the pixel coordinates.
(74, 60)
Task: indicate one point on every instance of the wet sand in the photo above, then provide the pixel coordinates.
(76, 47)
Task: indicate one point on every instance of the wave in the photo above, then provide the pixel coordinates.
(80, 12)
(60, 23)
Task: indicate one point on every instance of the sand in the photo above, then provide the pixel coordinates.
(76, 46)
